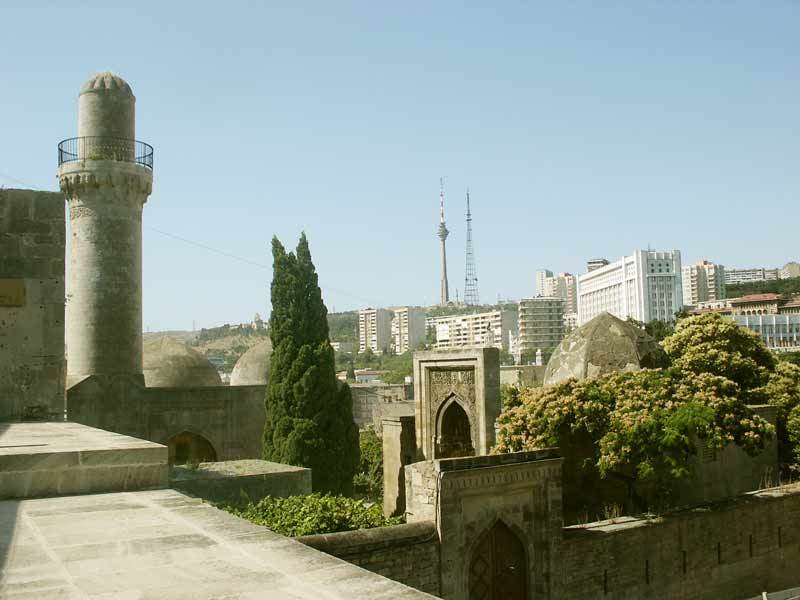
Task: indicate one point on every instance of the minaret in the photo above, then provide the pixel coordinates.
(106, 176)
(443, 233)
(470, 272)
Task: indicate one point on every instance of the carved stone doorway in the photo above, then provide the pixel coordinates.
(498, 569)
(455, 435)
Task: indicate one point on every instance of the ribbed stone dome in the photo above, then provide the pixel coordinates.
(252, 368)
(107, 82)
(605, 344)
(171, 363)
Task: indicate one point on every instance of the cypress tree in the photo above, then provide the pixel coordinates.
(309, 412)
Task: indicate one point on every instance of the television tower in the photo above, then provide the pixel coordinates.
(470, 272)
(443, 233)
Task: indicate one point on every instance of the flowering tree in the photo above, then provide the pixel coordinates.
(715, 344)
(626, 437)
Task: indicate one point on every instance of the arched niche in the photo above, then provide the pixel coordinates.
(453, 430)
(498, 568)
(190, 448)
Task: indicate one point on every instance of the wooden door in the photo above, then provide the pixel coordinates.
(498, 570)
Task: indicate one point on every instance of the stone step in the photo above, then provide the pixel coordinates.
(56, 459)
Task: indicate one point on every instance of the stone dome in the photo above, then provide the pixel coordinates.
(107, 82)
(603, 345)
(172, 363)
(252, 368)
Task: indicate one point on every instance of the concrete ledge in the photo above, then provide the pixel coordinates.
(344, 543)
(52, 459)
(494, 460)
(232, 481)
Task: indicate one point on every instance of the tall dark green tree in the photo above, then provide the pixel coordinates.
(309, 412)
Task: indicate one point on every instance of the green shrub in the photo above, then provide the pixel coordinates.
(368, 481)
(308, 515)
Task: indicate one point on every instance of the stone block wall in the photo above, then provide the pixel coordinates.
(405, 553)
(374, 402)
(236, 480)
(399, 449)
(32, 365)
(230, 418)
(735, 549)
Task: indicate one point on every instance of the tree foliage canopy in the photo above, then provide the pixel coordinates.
(711, 343)
(309, 413)
(630, 436)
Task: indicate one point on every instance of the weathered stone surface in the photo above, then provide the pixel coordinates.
(468, 378)
(48, 459)
(252, 368)
(373, 402)
(603, 345)
(233, 481)
(171, 363)
(406, 553)
(399, 449)
(163, 544)
(32, 366)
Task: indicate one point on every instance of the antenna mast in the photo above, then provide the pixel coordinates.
(470, 272)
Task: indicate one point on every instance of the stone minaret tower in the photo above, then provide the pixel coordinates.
(107, 177)
(443, 233)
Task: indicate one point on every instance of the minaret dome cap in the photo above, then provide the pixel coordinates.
(107, 82)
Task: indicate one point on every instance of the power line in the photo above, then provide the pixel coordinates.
(205, 246)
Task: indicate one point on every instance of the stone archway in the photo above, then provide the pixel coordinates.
(454, 434)
(187, 447)
(498, 568)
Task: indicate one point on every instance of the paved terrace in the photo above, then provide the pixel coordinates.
(162, 544)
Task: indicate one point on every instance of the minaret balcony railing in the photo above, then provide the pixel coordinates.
(105, 148)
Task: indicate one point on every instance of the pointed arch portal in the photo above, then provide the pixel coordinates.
(454, 436)
(498, 569)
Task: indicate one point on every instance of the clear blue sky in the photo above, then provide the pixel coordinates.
(581, 129)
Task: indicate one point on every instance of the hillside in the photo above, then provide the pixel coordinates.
(781, 286)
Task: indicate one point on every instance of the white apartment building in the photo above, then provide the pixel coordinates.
(734, 276)
(542, 278)
(374, 330)
(563, 285)
(541, 325)
(487, 329)
(644, 286)
(703, 281)
(408, 328)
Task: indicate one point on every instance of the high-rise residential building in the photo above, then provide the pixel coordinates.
(374, 330)
(734, 276)
(408, 328)
(596, 263)
(541, 325)
(542, 282)
(563, 285)
(790, 270)
(703, 281)
(486, 329)
(644, 286)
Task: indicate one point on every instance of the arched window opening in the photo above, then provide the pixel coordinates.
(190, 448)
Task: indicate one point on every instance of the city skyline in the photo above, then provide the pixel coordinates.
(578, 134)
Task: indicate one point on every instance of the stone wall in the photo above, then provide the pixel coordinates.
(735, 549)
(32, 366)
(374, 402)
(237, 480)
(399, 449)
(405, 553)
(522, 375)
(231, 419)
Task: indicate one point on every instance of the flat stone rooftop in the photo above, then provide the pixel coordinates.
(48, 459)
(164, 545)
